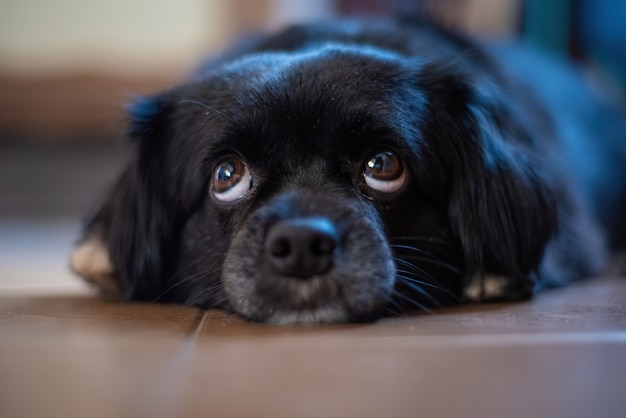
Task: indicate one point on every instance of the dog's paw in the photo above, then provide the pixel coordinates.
(90, 260)
(492, 288)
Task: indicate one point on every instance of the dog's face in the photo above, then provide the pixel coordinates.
(310, 177)
(323, 186)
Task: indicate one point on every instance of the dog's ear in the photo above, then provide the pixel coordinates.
(500, 205)
(137, 222)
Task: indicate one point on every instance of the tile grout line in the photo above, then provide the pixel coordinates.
(164, 396)
(199, 323)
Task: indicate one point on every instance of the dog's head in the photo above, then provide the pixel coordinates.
(324, 185)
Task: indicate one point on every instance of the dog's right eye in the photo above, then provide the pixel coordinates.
(384, 172)
(231, 180)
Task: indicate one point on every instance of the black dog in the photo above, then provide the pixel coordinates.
(334, 173)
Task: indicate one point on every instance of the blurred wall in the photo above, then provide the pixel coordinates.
(67, 66)
(43, 37)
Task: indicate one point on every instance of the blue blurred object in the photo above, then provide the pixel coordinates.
(602, 32)
(547, 23)
(598, 27)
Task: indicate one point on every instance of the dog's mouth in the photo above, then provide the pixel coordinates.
(322, 264)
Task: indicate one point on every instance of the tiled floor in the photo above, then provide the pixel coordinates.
(64, 353)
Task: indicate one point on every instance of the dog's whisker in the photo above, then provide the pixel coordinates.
(205, 106)
(410, 248)
(411, 275)
(414, 268)
(207, 294)
(405, 246)
(413, 302)
(433, 283)
(415, 249)
(439, 263)
(434, 240)
(439, 288)
(397, 308)
(182, 270)
(388, 311)
(195, 278)
(417, 276)
(415, 286)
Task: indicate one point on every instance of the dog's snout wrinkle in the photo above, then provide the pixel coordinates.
(302, 247)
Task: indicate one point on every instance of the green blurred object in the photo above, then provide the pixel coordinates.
(547, 24)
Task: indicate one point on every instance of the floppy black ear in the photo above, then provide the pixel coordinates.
(138, 221)
(500, 204)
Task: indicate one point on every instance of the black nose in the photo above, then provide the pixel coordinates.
(302, 247)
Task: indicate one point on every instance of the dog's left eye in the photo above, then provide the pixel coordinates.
(231, 180)
(384, 172)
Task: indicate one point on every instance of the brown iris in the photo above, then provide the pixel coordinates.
(384, 172)
(231, 180)
(385, 166)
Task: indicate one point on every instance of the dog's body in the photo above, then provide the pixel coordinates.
(332, 171)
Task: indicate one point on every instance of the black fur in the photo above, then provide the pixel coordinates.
(504, 178)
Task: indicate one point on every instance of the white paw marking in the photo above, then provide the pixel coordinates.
(90, 260)
(484, 288)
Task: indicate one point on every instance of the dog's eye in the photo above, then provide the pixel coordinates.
(384, 172)
(231, 180)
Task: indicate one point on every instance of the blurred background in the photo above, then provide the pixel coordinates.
(68, 66)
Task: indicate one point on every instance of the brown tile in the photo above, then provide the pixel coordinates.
(79, 356)
(73, 313)
(86, 372)
(560, 355)
(384, 377)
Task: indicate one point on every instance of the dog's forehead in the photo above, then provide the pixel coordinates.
(327, 62)
(334, 99)
(334, 79)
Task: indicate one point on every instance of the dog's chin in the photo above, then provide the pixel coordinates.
(330, 314)
(318, 300)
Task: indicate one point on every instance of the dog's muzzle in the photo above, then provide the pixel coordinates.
(310, 257)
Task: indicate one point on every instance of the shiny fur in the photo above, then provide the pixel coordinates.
(516, 176)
